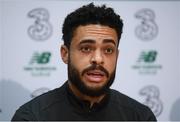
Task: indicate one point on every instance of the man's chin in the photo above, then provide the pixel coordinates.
(93, 91)
(94, 85)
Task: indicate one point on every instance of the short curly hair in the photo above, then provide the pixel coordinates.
(91, 14)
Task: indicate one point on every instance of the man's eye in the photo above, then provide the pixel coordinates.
(86, 49)
(109, 51)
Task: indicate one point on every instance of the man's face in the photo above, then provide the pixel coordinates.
(92, 59)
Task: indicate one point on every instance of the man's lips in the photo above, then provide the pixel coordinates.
(96, 70)
(95, 76)
(96, 73)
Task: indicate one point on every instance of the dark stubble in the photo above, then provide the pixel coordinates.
(74, 78)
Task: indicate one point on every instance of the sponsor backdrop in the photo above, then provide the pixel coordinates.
(148, 66)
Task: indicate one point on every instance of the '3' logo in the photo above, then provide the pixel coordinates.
(148, 28)
(41, 29)
(152, 99)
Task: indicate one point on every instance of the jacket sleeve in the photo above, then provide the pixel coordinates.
(23, 114)
(150, 115)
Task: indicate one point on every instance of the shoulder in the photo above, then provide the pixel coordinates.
(125, 100)
(48, 99)
(131, 106)
(32, 109)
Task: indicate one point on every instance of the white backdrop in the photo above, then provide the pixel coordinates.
(148, 66)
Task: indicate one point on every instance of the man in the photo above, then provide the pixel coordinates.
(91, 37)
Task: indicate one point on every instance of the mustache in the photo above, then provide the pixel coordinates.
(96, 67)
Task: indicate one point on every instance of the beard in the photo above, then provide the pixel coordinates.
(74, 78)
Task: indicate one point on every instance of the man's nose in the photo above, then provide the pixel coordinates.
(97, 58)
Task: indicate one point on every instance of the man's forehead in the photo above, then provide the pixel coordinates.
(95, 31)
(96, 28)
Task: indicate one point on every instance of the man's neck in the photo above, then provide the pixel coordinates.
(82, 96)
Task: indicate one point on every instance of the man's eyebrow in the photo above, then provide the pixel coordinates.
(87, 41)
(91, 41)
(109, 41)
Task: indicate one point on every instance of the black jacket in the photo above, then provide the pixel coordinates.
(62, 104)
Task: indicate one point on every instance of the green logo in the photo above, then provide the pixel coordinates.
(148, 57)
(40, 64)
(41, 58)
(146, 63)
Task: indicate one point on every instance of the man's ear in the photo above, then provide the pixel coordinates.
(64, 53)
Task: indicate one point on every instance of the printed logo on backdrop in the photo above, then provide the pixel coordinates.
(148, 29)
(146, 63)
(39, 92)
(39, 64)
(152, 99)
(41, 29)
